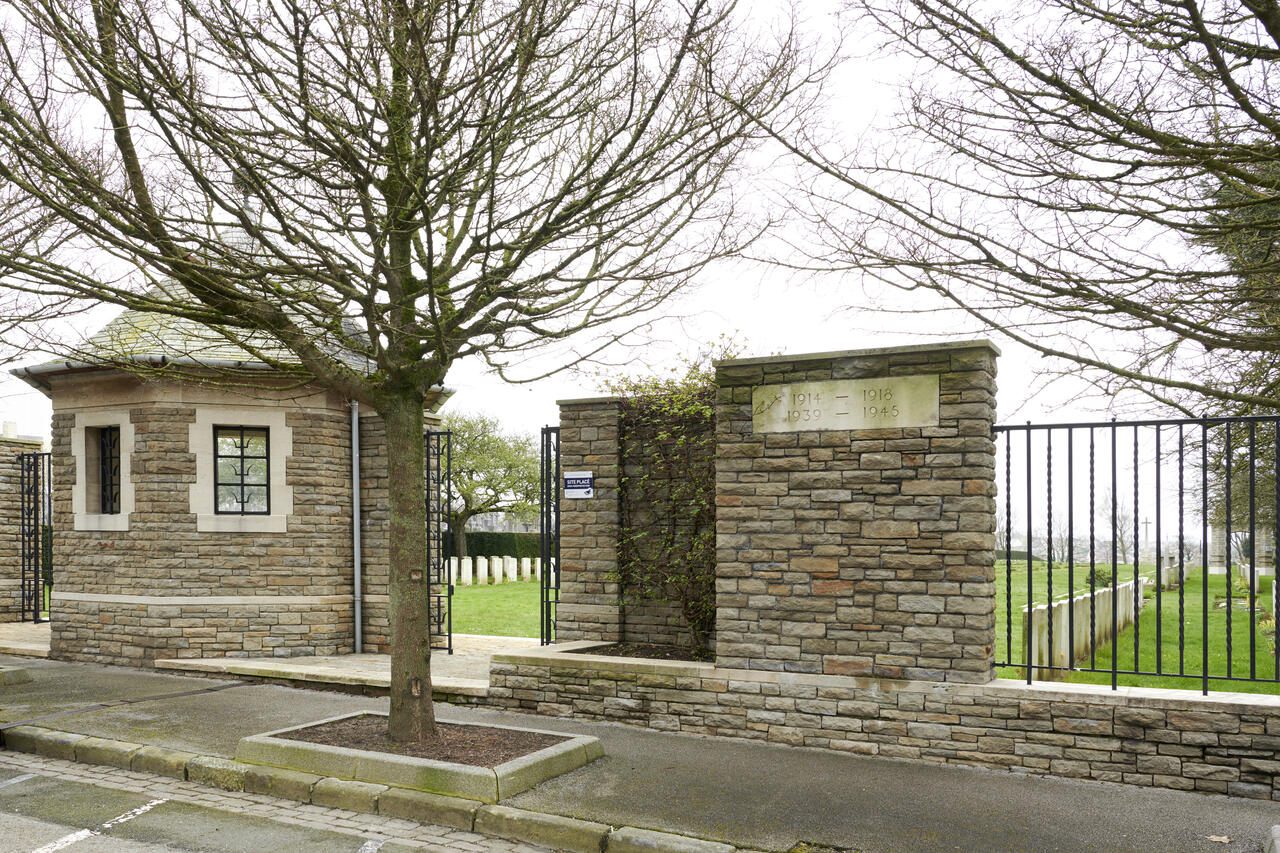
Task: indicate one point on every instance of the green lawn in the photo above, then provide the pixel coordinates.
(1039, 593)
(1192, 622)
(501, 610)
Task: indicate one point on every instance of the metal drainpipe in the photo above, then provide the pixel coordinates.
(355, 524)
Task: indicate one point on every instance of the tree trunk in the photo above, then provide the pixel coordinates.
(458, 531)
(412, 715)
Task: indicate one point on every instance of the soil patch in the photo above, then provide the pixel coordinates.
(652, 651)
(479, 746)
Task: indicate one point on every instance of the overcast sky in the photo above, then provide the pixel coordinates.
(767, 309)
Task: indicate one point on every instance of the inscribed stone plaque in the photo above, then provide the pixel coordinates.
(893, 402)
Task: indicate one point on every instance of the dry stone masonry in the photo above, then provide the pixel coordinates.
(1224, 744)
(855, 598)
(856, 512)
(155, 581)
(589, 607)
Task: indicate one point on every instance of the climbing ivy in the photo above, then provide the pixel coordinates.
(666, 542)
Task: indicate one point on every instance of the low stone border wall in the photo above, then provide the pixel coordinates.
(136, 630)
(1223, 744)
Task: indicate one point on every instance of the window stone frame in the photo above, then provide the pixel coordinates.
(82, 519)
(201, 492)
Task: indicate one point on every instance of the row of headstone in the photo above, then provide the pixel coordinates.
(478, 571)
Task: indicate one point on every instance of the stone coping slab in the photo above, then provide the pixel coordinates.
(570, 656)
(576, 655)
(940, 346)
(486, 784)
(304, 669)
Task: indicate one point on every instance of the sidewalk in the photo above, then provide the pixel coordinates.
(757, 796)
(463, 673)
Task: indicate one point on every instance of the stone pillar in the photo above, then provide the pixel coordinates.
(855, 512)
(588, 608)
(10, 524)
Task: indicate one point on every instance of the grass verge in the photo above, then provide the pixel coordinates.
(500, 610)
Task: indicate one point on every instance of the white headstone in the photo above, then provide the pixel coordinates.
(482, 571)
(464, 573)
(526, 569)
(509, 568)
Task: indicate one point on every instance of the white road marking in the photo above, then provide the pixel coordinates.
(371, 846)
(16, 779)
(68, 840)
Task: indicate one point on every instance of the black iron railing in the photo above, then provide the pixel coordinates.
(35, 533)
(549, 534)
(439, 460)
(1142, 551)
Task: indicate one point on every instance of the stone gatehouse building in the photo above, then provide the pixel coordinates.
(209, 512)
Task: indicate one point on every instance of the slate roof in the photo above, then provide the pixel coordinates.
(148, 337)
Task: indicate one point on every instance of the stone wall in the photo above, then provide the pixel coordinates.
(593, 605)
(588, 608)
(666, 519)
(375, 527)
(855, 605)
(159, 587)
(1223, 744)
(375, 530)
(10, 518)
(858, 551)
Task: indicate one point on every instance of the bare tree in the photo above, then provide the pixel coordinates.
(1062, 538)
(1115, 513)
(492, 471)
(1074, 174)
(379, 188)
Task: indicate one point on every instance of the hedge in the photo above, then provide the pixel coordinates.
(481, 543)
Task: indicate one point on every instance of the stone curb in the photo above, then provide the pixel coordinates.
(563, 833)
(554, 831)
(13, 675)
(113, 753)
(628, 839)
(486, 784)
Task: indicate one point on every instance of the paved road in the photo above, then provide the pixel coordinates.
(48, 805)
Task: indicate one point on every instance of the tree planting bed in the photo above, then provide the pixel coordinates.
(486, 763)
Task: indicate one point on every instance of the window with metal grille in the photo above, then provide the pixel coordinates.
(241, 473)
(102, 446)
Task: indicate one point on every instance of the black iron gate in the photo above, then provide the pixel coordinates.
(549, 533)
(439, 578)
(35, 530)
